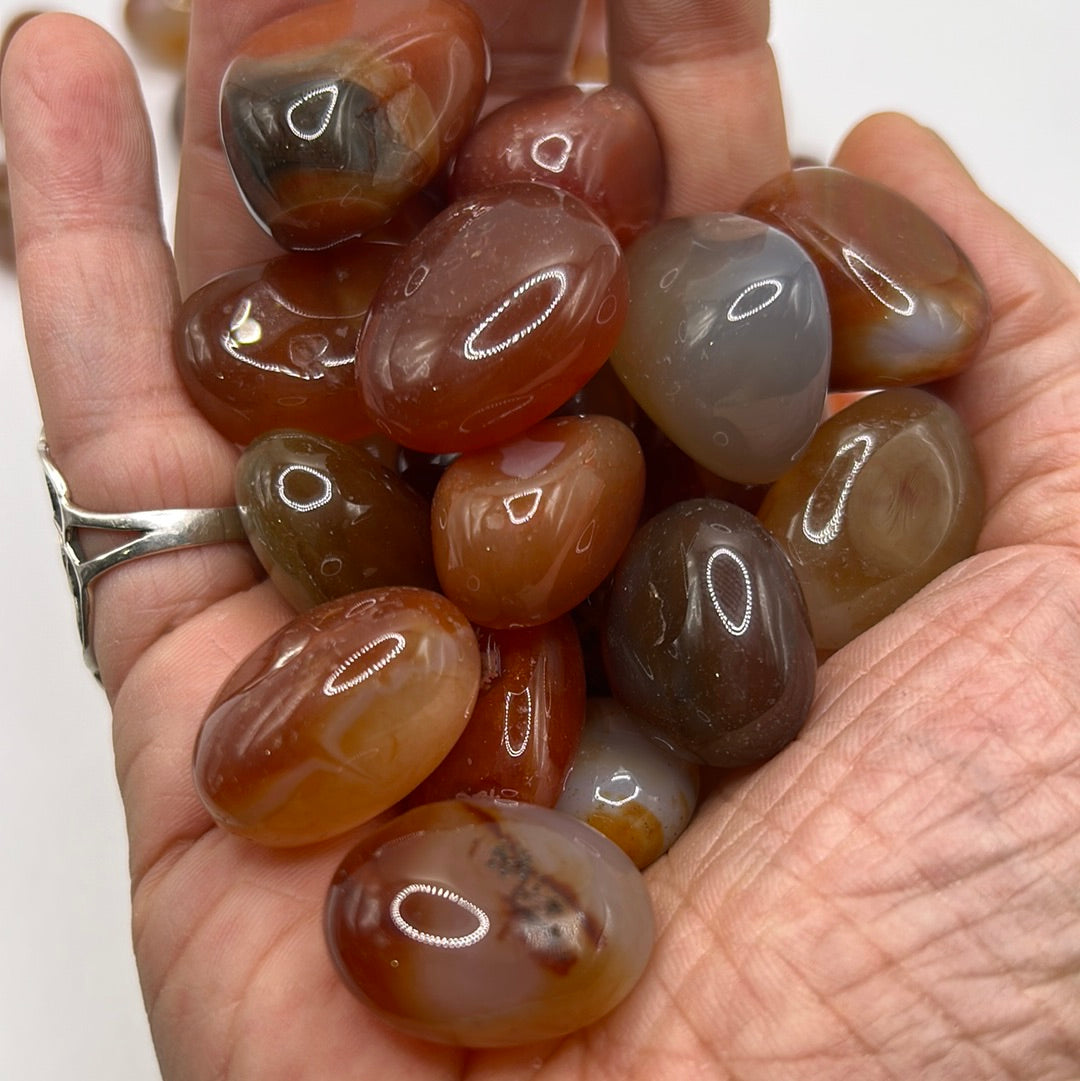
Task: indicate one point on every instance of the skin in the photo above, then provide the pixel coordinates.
(895, 895)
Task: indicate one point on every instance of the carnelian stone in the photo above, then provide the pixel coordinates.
(337, 716)
(634, 789)
(707, 638)
(488, 924)
(273, 345)
(160, 29)
(886, 498)
(907, 306)
(326, 519)
(726, 342)
(599, 144)
(525, 531)
(334, 115)
(495, 314)
(527, 721)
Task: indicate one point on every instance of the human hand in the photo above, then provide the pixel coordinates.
(822, 913)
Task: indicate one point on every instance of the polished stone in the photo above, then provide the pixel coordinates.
(887, 497)
(525, 531)
(497, 312)
(326, 519)
(337, 716)
(707, 637)
(630, 787)
(599, 144)
(487, 924)
(907, 306)
(526, 724)
(334, 115)
(726, 342)
(273, 345)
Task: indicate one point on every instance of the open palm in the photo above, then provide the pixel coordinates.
(896, 894)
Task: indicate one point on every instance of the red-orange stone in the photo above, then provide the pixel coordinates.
(488, 924)
(495, 314)
(337, 716)
(274, 345)
(334, 115)
(525, 531)
(906, 304)
(599, 144)
(527, 722)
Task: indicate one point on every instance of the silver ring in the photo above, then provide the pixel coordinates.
(159, 531)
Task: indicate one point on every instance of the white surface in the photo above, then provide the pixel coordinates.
(1000, 82)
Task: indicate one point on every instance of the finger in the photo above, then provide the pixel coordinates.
(531, 45)
(1020, 396)
(99, 298)
(704, 70)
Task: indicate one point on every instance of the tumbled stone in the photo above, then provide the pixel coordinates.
(887, 497)
(707, 637)
(635, 790)
(498, 311)
(334, 115)
(907, 306)
(337, 716)
(525, 531)
(488, 924)
(326, 519)
(726, 342)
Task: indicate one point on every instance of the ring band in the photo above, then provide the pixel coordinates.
(160, 531)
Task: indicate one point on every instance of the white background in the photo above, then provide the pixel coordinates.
(999, 80)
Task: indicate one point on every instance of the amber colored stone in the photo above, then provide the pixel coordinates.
(160, 29)
(598, 144)
(337, 716)
(887, 496)
(907, 306)
(707, 637)
(635, 790)
(334, 115)
(273, 345)
(495, 314)
(525, 531)
(726, 342)
(527, 721)
(488, 924)
(326, 519)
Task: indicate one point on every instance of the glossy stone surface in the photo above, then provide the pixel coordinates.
(160, 29)
(337, 716)
(274, 345)
(527, 721)
(887, 496)
(726, 342)
(707, 637)
(631, 788)
(334, 115)
(501, 309)
(486, 924)
(527, 530)
(907, 306)
(599, 144)
(326, 519)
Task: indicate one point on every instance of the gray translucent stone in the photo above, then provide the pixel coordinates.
(727, 341)
(632, 788)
